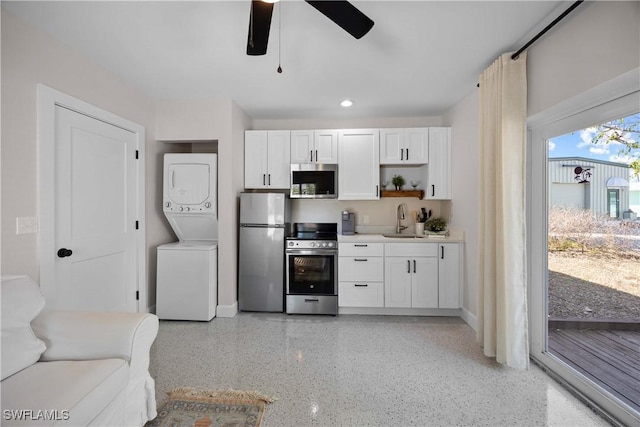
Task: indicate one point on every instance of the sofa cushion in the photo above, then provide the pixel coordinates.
(84, 388)
(21, 303)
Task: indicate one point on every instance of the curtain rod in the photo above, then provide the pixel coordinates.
(547, 28)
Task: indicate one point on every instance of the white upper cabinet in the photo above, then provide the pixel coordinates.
(408, 146)
(439, 168)
(326, 146)
(302, 146)
(267, 159)
(319, 146)
(359, 164)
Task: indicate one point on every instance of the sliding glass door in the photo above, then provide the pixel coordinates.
(584, 297)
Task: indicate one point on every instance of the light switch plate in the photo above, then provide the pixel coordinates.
(26, 224)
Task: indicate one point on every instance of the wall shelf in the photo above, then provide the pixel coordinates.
(403, 193)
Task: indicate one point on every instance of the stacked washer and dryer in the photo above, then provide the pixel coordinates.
(186, 285)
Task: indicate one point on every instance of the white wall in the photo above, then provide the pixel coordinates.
(465, 178)
(597, 42)
(30, 57)
(219, 125)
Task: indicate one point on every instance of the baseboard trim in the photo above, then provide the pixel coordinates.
(389, 311)
(227, 310)
(470, 318)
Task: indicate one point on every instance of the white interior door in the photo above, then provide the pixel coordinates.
(94, 223)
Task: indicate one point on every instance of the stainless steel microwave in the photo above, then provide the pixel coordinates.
(314, 181)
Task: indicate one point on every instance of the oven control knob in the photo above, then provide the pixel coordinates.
(290, 243)
(188, 208)
(313, 244)
(324, 245)
(330, 244)
(181, 209)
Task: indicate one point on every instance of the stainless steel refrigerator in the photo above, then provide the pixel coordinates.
(264, 224)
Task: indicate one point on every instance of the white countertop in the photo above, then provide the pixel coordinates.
(455, 236)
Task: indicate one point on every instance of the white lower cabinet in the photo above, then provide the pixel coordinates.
(411, 275)
(399, 275)
(449, 268)
(360, 275)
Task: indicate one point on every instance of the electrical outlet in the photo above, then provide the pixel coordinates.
(26, 225)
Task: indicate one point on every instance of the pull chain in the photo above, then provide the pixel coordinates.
(279, 36)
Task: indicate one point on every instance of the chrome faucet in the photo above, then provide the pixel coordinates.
(400, 217)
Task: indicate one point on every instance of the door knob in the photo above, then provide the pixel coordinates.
(64, 252)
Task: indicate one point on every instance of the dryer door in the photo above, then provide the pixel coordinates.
(188, 183)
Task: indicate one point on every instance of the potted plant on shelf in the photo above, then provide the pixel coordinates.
(398, 182)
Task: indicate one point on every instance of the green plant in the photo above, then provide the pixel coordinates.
(436, 224)
(397, 181)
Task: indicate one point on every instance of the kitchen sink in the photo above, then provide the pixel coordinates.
(403, 236)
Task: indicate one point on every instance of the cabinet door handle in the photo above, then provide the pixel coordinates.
(311, 300)
(361, 285)
(408, 266)
(311, 155)
(441, 252)
(414, 265)
(264, 179)
(407, 154)
(377, 192)
(269, 179)
(361, 259)
(433, 190)
(316, 155)
(402, 154)
(360, 246)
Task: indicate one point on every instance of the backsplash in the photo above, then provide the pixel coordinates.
(368, 212)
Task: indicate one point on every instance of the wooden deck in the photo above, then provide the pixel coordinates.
(610, 358)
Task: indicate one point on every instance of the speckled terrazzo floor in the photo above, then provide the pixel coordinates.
(360, 371)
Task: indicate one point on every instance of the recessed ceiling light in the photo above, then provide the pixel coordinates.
(346, 103)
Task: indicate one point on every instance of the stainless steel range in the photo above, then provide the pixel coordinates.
(312, 269)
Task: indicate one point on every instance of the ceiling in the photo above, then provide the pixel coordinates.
(419, 59)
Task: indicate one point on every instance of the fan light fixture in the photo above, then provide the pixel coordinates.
(346, 103)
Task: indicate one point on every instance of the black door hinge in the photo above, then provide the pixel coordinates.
(137, 295)
(137, 225)
(137, 154)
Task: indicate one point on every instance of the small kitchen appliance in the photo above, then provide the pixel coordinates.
(312, 269)
(314, 181)
(264, 224)
(187, 283)
(348, 223)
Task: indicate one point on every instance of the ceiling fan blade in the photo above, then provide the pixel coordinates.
(259, 25)
(345, 15)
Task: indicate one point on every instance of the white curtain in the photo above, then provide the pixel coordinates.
(502, 292)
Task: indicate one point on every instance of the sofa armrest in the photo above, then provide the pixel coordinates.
(78, 335)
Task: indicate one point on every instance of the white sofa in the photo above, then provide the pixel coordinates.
(73, 368)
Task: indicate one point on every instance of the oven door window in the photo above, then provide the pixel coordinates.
(311, 274)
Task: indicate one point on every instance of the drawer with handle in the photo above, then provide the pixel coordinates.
(360, 249)
(360, 268)
(360, 294)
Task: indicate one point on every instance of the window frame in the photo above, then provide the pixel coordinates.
(617, 98)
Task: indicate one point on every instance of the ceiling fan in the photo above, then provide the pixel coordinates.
(341, 12)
